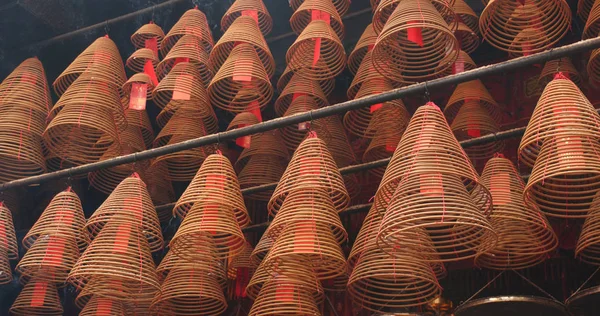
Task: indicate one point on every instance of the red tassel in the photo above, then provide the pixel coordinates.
(137, 97)
(414, 34)
(152, 44)
(149, 70)
(39, 294)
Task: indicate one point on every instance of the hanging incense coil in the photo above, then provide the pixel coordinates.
(463, 63)
(472, 91)
(8, 240)
(341, 6)
(243, 30)
(363, 46)
(326, 85)
(6, 276)
(192, 22)
(280, 295)
(525, 237)
(137, 61)
(308, 11)
(262, 248)
(410, 26)
(183, 84)
(385, 9)
(583, 9)
(473, 120)
(542, 29)
(98, 305)
(38, 297)
(26, 87)
(466, 15)
(160, 188)
(101, 60)
(205, 261)
(147, 32)
(588, 249)
(129, 204)
(366, 73)
(50, 258)
(563, 65)
(593, 67)
(592, 23)
(312, 165)
(298, 87)
(318, 53)
(467, 38)
(248, 8)
(214, 183)
(187, 49)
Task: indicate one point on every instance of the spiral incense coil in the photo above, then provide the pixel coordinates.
(263, 246)
(366, 73)
(183, 84)
(138, 78)
(242, 120)
(561, 111)
(341, 6)
(312, 165)
(188, 49)
(385, 9)
(318, 53)
(412, 24)
(147, 32)
(473, 120)
(363, 46)
(588, 249)
(21, 153)
(8, 240)
(138, 59)
(215, 183)
(38, 297)
(593, 67)
(243, 30)
(189, 292)
(98, 305)
(327, 85)
(50, 258)
(300, 273)
(26, 88)
(204, 254)
(428, 144)
(503, 21)
(525, 237)
(583, 9)
(5, 268)
(192, 22)
(248, 8)
(563, 65)
(160, 188)
(466, 15)
(464, 62)
(139, 119)
(592, 23)
(467, 38)
(129, 204)
(299, 87)
(472, 91)
(306, 13)
(101, 60)
(280, 295)
(201, 110)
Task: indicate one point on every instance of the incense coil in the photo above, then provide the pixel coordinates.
(189, 49)
(366, 73)
(472, 91)
(259, 169)
(8, 241)
(5, 269)
(565, 176)
(428, 144)
(414, 62)
(128, 204)
(146, 32)
(204, 261)
(563, 65)
(562, 110)
(204, 112)
(242, 120)
(38, 297)
(21, 153)
(241, 8)
(182, 83)
(187, 292)
(137, 61)
(299, 86)
(215, 182)
(385, 9)
(587, 248)
(311, 241)
(192, 22)
(98, 305)
(26, 88)
(304, 15)
(101, 60)
(63, 217)
(359, 122)
(368, 229)
(184, 125)
(330, 60)
(473, 120)
(466, 15)
(160, 188)
(464, 59)
(263, 246)
(331, 131)
(467, 38)
(279, 296)
(593, 67)
(525, 237)
(243, 30)
(120, 259)
(363, 46)
(326, 85)
(341, 6)
(138, 78)
(139, 119)
(583, 9)
(545, 23)
(592, 23)
(50, 258)
(312, 165)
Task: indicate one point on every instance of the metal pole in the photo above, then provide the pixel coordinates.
(339, 108)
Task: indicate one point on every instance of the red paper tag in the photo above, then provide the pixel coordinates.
(303, 241)
(254, 108)
(414, 34)
(297, 95)
(284, 293)
(134, 206)
(137, 97)
(122, 238)
(210, 217)
(149, 70)
(526, 48)
(370, 47)
(317, 52)
(375, 107)
(152, 43)
(310, 166)
(458, 66)
(28, 77)
(39, 294)
(251, 13)
(431, 184)
(104, 307)
(243, 141)
(101, 57)
(65, 217)
(570, 150)
(473, 129)
(183, 87)
(54, 251)
(320, 15)
(3, 237)
(215, 181)
(500, 188)
(241, 73)
(390, 146)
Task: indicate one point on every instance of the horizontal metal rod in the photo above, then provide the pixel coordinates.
(339, 108)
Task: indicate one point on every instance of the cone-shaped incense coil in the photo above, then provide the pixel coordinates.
(253, 8)
(592, 23)
(281, 295)
(562, 110)
(366, 73)
(502, 22)
(63, 217)
(182, 85)
(473, 120)
(298, 87)
(8, 238)
(101, 60)
(331, 131)
(312, 165)
(467, 38)
(242, 120)
(563, 65)
(593, 67)
(360, 122)
(326, 85)
(129, 204)
(119, 257)
(385, 9)
(429, 146)
(148, 32)
(50, 258)
(138, 60)
(243, 30)
(5, 268)
(38, 297)
(472, 91)
(588, 248)
(192, 22)
(426, 39)
(341, 6)
(188, 49)
(26, 87)
(262, 248)
(365, 44)
(525, 236)
(583, 9)
(204, 254)
(463, 63)
(466, 15)
(103, 306)
(241, 84)
(311, 10)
